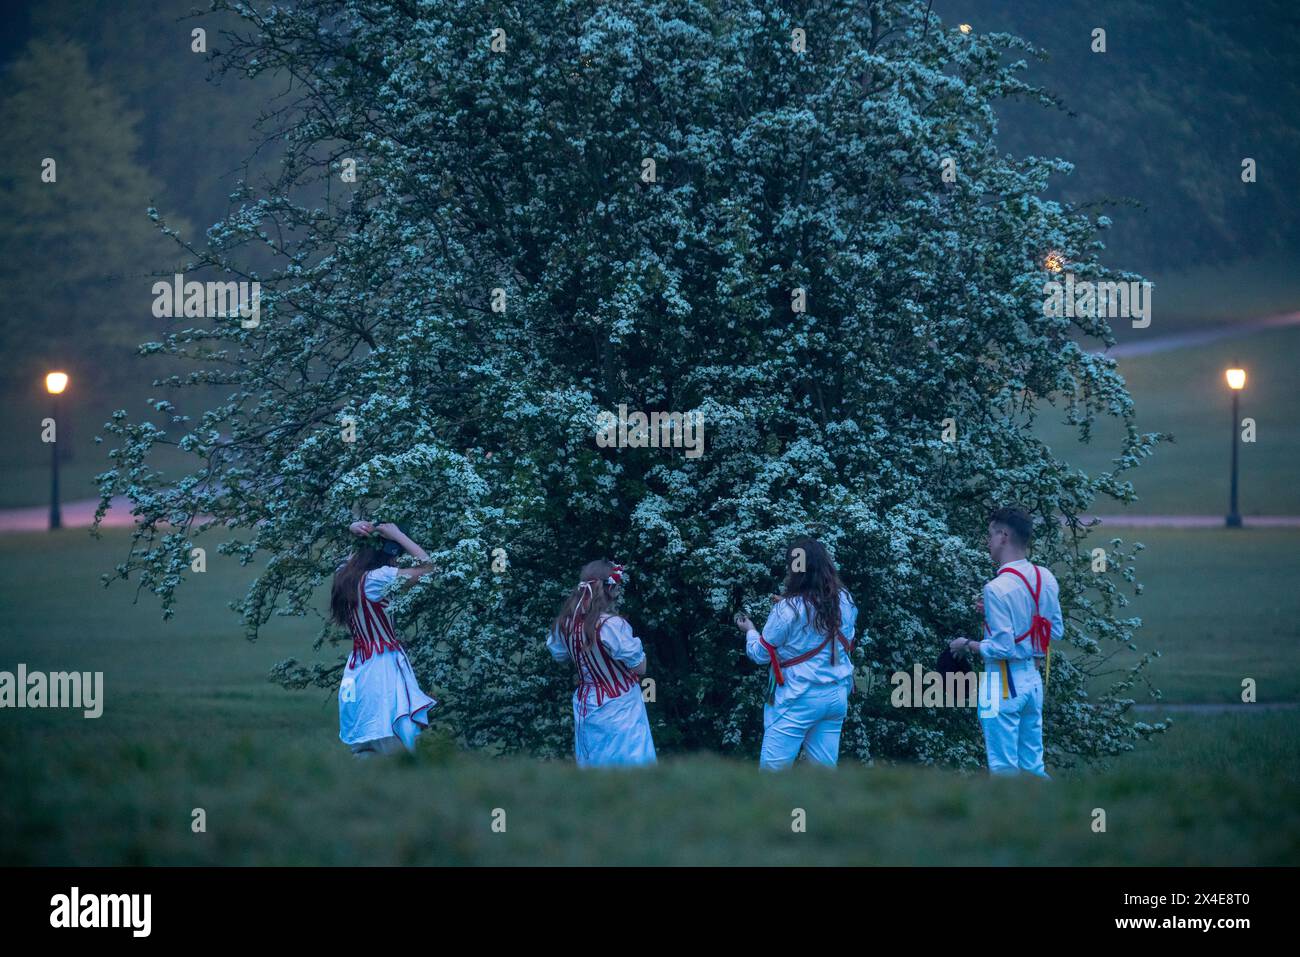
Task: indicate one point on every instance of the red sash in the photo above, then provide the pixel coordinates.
(778, 664)
(1040, 629)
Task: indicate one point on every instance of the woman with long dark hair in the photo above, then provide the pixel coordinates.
(609, 717)
(808, 645)
(381, 706)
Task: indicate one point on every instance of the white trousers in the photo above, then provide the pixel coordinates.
(1013, 735)
(812, 721)
(389, 745)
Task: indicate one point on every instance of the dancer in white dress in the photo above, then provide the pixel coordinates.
(610, 723)
(381, 705)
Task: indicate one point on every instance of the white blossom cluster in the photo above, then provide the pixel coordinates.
(500, 270)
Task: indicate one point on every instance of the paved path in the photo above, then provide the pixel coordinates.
(80, 515)
(1193, 521)
(1200, 337)
(75, 515)
(1258, 706)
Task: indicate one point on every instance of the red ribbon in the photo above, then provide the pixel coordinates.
(1040, 629)
(1040, 633)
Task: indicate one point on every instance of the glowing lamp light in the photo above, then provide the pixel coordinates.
(1236, 378)
(964, 28)
(56, 382)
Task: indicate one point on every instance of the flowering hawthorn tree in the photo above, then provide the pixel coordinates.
(494, 222)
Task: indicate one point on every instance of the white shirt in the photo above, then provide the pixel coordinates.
(790, 631)
(379, 581)
(1009, 608)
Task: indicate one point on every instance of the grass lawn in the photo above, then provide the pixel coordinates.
(83, 410)
(1208, 295)
(1219, 791)
(190, 722)
(1215, 603)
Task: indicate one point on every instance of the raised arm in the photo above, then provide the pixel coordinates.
(391, 532)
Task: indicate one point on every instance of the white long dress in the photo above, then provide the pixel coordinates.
(611, 727)
(379, 696)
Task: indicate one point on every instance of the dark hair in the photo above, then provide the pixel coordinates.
(817, 584)
(1017, 521)
(347, 580)
(589, 604)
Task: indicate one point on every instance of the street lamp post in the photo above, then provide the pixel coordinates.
(55, 383)
(1236, 382)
